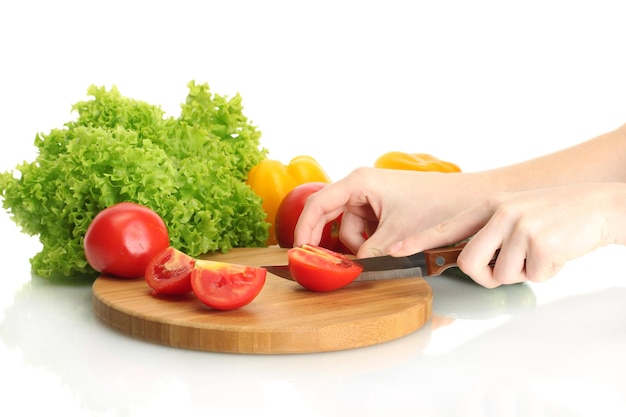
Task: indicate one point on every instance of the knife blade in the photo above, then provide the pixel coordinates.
(431, 262)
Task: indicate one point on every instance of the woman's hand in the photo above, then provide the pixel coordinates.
(385, 205)
(541, 213)
(536, 231)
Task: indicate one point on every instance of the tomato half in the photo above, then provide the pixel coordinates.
(289, 211)
(122, 239)
(170, 272)
(320, 269)
(226, 286)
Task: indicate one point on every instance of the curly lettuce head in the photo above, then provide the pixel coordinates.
(190, 170)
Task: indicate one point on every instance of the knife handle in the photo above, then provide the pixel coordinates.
(440, 259)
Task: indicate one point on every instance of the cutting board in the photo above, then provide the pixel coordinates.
(284, 318)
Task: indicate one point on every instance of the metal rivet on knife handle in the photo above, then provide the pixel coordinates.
(440, 259)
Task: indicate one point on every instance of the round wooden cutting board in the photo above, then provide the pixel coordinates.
(284, 318)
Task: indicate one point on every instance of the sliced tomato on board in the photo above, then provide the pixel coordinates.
(226, 286)
(170, 272)
(320, 269)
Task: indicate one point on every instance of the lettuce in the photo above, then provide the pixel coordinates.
(190, 169)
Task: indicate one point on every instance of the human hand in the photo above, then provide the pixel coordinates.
(536, 231)
(385, 205)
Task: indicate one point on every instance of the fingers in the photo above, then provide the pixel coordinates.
(542, 258)
(476, 258)
(375, 245)
(353, 231)
(494, 227)
(320, 208)
(527, 249)
(451, 231)
(528, 229)
(519, 258)
(348, 195)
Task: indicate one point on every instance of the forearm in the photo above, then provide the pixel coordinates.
(601, 159)
(398, 203)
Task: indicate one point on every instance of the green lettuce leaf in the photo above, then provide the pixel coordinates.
(190, 170)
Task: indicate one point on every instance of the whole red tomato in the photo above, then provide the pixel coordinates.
(289, 211)
(122, 240)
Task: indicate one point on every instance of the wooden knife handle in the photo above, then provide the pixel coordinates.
(440, 259)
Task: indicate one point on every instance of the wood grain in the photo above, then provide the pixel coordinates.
(284, 318)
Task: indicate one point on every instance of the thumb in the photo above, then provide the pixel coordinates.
(451, 231)
(375, 245)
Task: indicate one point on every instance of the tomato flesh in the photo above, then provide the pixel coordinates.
(122, 239)
(226, 286)
(170, 272)
(320, 269)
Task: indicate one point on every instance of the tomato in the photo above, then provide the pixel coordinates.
(122, 239)
(289, 211)
(320, 269)
(170, 272)
(272, 180)
(226, 286)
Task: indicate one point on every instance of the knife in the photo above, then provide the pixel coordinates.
(431, 262)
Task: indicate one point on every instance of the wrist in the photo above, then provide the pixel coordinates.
(616, 220)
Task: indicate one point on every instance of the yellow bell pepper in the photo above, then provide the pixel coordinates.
(272, 180)
(414, 161)
(306, 169)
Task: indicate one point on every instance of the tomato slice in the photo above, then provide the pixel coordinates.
(170, 272)
(320, 269)
(226, 286)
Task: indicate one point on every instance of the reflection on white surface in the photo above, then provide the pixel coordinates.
(529, 350)
(490, 359)
(472, 308)
(53, 329)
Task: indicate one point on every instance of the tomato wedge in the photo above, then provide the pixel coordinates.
(226, 286)
(320, 269)
(170, 272)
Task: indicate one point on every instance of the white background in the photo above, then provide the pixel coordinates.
(479, 83)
